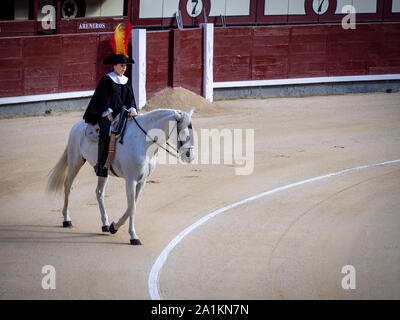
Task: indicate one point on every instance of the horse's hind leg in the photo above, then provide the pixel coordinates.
(73, 169)
(101, 187)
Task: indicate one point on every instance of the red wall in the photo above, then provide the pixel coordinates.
(17, 28)
(159, 51)
(174, 59)
(188, 59)
(74, 62)
(51, 64)
(278, 52)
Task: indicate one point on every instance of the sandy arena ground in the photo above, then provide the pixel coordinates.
(288, 245)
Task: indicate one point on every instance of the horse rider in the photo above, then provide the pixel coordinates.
(113, 92)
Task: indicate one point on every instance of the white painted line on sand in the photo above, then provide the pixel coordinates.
(158, 264)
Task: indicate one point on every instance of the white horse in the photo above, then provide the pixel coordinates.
(134, 160)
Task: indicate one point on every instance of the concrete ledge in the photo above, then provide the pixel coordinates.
(292, 90)
(40, 107)
(311, 80)
(301, 90)
(46, 97)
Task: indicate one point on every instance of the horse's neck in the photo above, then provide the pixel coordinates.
(162, 119)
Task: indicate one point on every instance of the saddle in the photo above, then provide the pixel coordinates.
(117, 130)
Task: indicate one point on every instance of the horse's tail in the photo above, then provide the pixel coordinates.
(58, 174)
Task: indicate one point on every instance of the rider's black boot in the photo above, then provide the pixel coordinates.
(101, 158)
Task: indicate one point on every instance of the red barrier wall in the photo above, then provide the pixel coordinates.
(52, 64)
(74, 62)
(11, 68)
(188, 59)
(279, 52)
(17, 28)
(159, 51)
(174, 59)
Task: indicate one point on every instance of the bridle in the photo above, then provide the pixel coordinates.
(154, 140)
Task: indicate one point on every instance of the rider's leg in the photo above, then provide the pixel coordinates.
(104, 140)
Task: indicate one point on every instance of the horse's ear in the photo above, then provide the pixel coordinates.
(190, 112)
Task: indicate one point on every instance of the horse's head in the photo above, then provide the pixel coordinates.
(185, 135)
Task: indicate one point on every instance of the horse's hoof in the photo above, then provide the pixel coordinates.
(105, 228)
(135, 242)
(67, 224)
(112, 229)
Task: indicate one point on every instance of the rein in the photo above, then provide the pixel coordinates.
(155, 141)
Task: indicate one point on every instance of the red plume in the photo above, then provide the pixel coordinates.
(120, 39)
(128, 30)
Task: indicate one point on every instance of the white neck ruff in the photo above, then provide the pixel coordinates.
(118, 79)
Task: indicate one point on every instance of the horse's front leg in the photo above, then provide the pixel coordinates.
(130, 211)
(100, 190)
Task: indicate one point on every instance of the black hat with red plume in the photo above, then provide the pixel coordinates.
(119, 43)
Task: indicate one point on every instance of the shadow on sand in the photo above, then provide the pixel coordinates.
(53, 234)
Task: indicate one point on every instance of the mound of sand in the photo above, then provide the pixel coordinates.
(180, 98)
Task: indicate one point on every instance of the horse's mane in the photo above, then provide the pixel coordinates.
(182, 123)
(158, 110)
